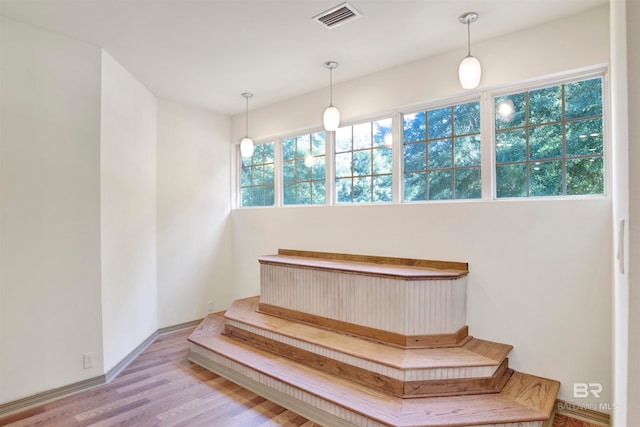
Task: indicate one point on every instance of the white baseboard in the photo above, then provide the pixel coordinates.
(113, 372)
(80, 386)
(50, 395)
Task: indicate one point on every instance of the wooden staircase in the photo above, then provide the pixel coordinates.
(314, 343)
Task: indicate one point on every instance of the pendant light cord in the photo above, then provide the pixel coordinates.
(330, 87)
(468, 38)
(246, 124)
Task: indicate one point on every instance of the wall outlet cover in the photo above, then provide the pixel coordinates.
(88, 360)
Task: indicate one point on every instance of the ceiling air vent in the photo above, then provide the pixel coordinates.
(337, 16)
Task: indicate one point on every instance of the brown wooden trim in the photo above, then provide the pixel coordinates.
(409, 262)
(454, 387)
(575, 411)
(392, 386)
(456, 339)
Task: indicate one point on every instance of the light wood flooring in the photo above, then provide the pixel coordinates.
(162, 388)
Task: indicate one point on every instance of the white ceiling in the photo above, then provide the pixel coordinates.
(205, 53)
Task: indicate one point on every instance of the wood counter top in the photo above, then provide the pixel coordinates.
(399, 268)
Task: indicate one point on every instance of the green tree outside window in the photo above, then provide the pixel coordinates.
(256, 184)
(441, 153)
(549, 141)
(363, 163)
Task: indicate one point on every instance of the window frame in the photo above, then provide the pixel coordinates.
(238, 174)
(281, 161)
(439, 104)
(488, 162)
(600, 71)
(393, 116)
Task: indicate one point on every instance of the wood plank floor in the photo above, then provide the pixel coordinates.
(162, 388)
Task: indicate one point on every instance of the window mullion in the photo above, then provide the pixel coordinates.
(487, 144)
(236, 176)
(396, 159)
(453, 155)
(564, 143)
(278, 184)
(330, 163)
(527, 132)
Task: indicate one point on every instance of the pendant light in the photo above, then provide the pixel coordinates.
(331, 118)
(246, 145)
(469, 71)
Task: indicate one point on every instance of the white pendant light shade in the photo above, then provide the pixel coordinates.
(331, 119)
(246, 147)
(469, 72)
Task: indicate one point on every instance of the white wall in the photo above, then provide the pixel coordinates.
(626, 206)
(50, 225)
(620, 197)
(540, 270)
(87, 199)
(128, 212)
(1, 223)
(193, 203)
(633, 70)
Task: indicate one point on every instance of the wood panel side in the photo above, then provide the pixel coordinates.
(459, 387)
(455, 339)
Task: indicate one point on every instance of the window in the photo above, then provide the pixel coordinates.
(257, 177)
(549, 141)
(303, 169)
(441, 153)
(363, 162)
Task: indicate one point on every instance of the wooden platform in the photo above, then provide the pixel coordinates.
(352, 340)
(525, 400)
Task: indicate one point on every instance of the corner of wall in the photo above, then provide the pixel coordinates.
(127, 212)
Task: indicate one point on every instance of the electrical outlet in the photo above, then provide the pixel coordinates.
(88, 360)
(210, 306)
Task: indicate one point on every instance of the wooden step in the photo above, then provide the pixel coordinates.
(475, 352)
(525, 401)
(457, 338)
(477, 367)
